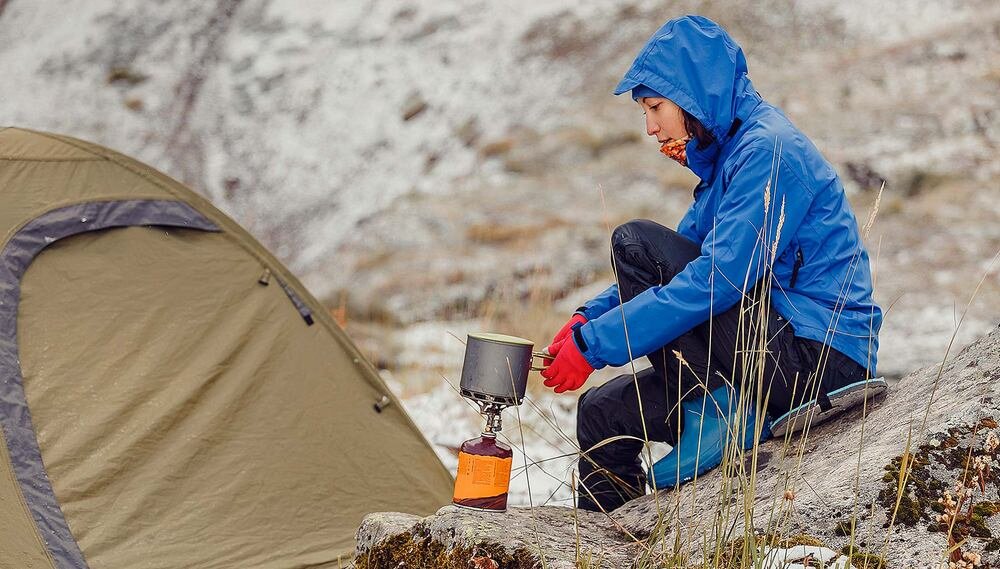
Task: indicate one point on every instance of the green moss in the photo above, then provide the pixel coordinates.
(843, 527)
(910, 510)
(922, 490)
(862, 559)
(986, 509)
(798, 539)
(867, 561)
(957, 458)
(951, 458)
(416, 550)
(978, 525)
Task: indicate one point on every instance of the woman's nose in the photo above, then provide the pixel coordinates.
(651, 127)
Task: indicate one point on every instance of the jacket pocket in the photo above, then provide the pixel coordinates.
(799, 261)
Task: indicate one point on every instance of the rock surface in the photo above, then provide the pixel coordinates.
(517, 538)
(931, 430)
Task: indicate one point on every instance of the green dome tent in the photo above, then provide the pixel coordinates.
(170, 395)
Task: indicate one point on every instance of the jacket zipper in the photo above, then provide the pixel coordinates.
(795, 269)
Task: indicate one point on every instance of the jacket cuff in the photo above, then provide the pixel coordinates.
(587, 350)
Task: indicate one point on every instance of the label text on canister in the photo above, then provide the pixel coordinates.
(481, 476)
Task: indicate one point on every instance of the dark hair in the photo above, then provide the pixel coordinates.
(698, 131)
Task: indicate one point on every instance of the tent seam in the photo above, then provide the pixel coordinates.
(107, 154)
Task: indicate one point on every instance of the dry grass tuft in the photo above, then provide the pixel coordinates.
(497, 234)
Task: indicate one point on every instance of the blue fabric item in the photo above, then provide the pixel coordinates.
(603, 302)
(820, 278)
(708, 423)
(642, 91)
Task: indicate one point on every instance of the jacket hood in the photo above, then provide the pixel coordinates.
(693, 62)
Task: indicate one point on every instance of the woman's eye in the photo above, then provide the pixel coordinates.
(653, 108)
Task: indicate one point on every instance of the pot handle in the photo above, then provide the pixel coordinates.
(542, 354)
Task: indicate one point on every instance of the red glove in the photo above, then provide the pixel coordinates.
(565, 331)
(569, 370)
(568, 328)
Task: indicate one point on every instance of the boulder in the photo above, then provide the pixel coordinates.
(910, 481)
(516, 539)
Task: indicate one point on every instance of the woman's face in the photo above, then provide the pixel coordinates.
(664, 119)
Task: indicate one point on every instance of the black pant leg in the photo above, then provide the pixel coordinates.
(644, 254)
(612, 473)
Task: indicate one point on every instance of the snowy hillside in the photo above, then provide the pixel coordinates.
(299, 118)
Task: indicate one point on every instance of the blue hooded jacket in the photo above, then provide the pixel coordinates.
(767, 200)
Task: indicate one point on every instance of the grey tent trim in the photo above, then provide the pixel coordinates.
(299, 305)
(17, 255)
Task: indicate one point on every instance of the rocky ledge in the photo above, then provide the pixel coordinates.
(912, 481)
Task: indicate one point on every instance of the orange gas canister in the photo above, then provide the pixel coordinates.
(483, 474)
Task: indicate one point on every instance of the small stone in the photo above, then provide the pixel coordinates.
(415, 105)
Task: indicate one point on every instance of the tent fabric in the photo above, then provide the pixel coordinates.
(165, 404)
(15, 419)
(22, 546)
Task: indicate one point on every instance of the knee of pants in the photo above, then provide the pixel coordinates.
(638, 265)
(660, 245)
(630, 231)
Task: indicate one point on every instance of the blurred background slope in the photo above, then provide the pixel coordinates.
(429, 168)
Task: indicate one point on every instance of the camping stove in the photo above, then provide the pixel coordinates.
(494, 376)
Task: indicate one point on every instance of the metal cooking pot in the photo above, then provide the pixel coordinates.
(496, 368)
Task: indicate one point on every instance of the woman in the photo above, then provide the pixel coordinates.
(762, 295)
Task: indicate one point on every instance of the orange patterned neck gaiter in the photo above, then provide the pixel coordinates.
(676, 149)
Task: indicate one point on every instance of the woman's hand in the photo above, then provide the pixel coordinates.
(569, 370)
(565, 331)
(568, 327)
